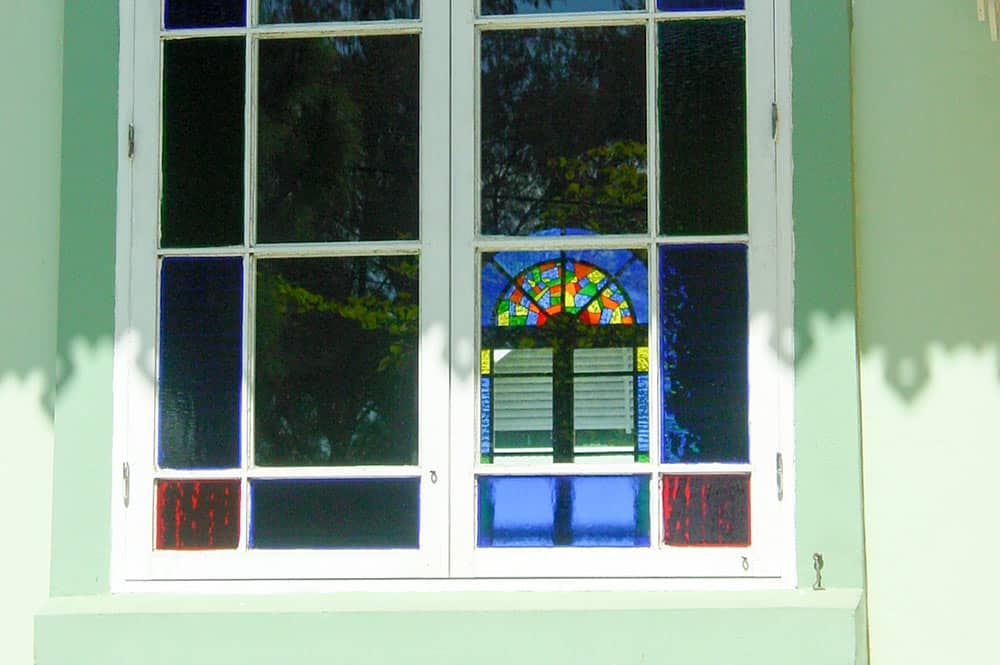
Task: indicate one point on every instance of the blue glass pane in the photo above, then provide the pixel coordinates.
(642, 413)
(564, 511)
(204, 13)
(688, 5)
(201, 337)
(312, 11)
(558, 6)
(369, 513)
(486, 417)
(703, 346)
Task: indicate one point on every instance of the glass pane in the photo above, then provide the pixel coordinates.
(706, 510)
(202, 177)
(338, 140)
(682, 5)
(350, 513)
(561, 333)
(604, 405)
(204, 13)
(703, 144)
(557, 6)
(564, 130)
(314, 11)
(197, 514)
(522, 404)
(336, 361)
(200, 371)
(703, 346)
(564, 511)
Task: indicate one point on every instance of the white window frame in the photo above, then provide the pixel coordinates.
(448, 356)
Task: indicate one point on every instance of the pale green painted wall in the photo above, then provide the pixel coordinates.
(30, 80)
(82, 623)
(927, 121)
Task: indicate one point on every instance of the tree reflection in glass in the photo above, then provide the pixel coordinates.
(336, 361)
(558, 6)
(564, 130)
(314, 11)
(338, 139)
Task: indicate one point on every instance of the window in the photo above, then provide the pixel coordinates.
(479, 290)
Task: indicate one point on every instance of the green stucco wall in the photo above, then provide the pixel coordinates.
(30, 88)
(82, 623)
(927, 122)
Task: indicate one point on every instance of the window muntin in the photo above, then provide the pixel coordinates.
(462, 534)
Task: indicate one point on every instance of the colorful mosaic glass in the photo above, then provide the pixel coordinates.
(564, 285)
(197, 514)
(706, 510)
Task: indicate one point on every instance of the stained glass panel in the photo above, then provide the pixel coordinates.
(197, 514)
(200, 367)
(563, 511)
(703, 347)
(706, 510)
(370, 513)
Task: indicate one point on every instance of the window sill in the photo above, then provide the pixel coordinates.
(774, 627)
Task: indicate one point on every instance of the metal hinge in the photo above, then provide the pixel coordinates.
(131, 141)
(125, 483)
(779, 469)
(774, 120)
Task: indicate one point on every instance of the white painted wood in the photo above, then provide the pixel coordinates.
(449, 361)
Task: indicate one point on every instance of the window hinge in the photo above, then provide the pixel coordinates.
(131, 141)
(774, 120)
(779, 468)
(125, 483)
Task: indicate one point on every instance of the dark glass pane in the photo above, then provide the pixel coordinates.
(703, 346)
(338, 134)
(197, 514)
(355, 513)
(201, 346)
(682, 5)
(564, 130)
(203, 84)
(336, 361)
(706, 510)
(557, 6)
(703, 144)
(204, 13)
(314, 11)
(563, 511)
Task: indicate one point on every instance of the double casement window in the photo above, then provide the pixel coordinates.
(467, 289)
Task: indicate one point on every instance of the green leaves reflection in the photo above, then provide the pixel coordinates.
(336, 361)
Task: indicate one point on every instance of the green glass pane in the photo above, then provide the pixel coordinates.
(202, 170)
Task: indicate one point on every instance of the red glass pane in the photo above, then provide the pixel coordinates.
(197, 514)
(706, 510)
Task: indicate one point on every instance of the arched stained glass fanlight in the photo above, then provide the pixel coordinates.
(563, 286)
(564, 356)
